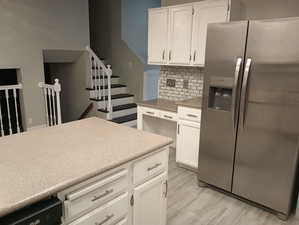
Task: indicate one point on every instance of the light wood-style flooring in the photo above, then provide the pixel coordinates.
(189, 204)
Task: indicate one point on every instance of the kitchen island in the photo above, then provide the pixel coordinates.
(78, 155)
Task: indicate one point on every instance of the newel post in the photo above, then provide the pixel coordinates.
(57, 88)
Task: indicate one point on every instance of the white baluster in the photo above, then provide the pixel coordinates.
(57, 88)
(96, 90)
(1, 120)
(110, 109)
(54, 107)
(8, 110)
(103, 94)
(16, 110)
(50, 105)
(46, 102)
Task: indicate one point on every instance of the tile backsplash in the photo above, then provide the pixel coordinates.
(188, 82)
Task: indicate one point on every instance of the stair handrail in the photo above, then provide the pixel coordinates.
(104, 70)
(52, 102)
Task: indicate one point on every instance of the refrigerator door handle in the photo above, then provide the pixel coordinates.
(245, 90)
(236, 83)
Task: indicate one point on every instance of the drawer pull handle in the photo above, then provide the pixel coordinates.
(107, 192)
(154, 167)
(152, 113)
(109, 217)
(168, 117)
(191, 115)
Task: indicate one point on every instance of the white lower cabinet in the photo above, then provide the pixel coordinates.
(132, 194)
(150, 200)
(188, 137)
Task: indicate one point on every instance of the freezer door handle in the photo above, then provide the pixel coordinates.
(245, 90)
(235, 91)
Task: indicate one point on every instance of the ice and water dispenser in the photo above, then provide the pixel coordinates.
(220, 98)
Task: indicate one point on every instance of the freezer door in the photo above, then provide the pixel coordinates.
(225, 51)
(267, 145)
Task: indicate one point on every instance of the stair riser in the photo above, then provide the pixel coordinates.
(114, 91)
(113, 81)
(120, 101)
(118, 113)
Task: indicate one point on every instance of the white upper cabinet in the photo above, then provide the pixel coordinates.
(180, 36)
(204, 14)
(158, 22)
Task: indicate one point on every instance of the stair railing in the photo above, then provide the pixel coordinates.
(7, 92)
(52, 102)
(99, 72)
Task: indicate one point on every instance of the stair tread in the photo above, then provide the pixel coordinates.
(125, 119)
(113, 97)
(120, 107)
(106, 86)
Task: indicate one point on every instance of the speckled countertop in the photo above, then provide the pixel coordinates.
(172, 106)
(40, 163)
(193, 103)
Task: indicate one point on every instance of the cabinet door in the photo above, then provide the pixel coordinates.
(158, 36)
(180, 35)
(205, 13)
(150, 202)
(188, 136)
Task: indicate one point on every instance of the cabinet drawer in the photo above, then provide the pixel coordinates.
(168, 116)
(151, 112)
(151, 166)
(189, 114)
(110, 213)
(96, 194)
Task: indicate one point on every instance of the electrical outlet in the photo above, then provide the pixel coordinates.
(170, 83)
(186, 84)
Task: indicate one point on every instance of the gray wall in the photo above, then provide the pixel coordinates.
(135, 25)
(74, 96)
(29, 26)
(106, 34)
(267, 9)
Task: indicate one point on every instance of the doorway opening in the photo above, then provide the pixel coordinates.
(11, 120)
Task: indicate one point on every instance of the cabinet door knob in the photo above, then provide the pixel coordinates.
(170, 55)
(194, 56)
(163, 55)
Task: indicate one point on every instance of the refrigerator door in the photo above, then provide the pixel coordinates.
(225, 52)
(267, 142)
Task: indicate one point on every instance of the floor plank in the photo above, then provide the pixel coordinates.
(188, 204)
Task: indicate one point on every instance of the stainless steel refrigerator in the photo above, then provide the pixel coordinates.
(250, 119)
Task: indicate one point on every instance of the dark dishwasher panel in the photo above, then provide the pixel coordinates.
(47, 212)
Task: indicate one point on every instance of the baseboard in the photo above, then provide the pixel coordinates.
(37, 127)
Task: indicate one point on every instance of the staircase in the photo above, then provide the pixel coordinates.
(112, 99)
